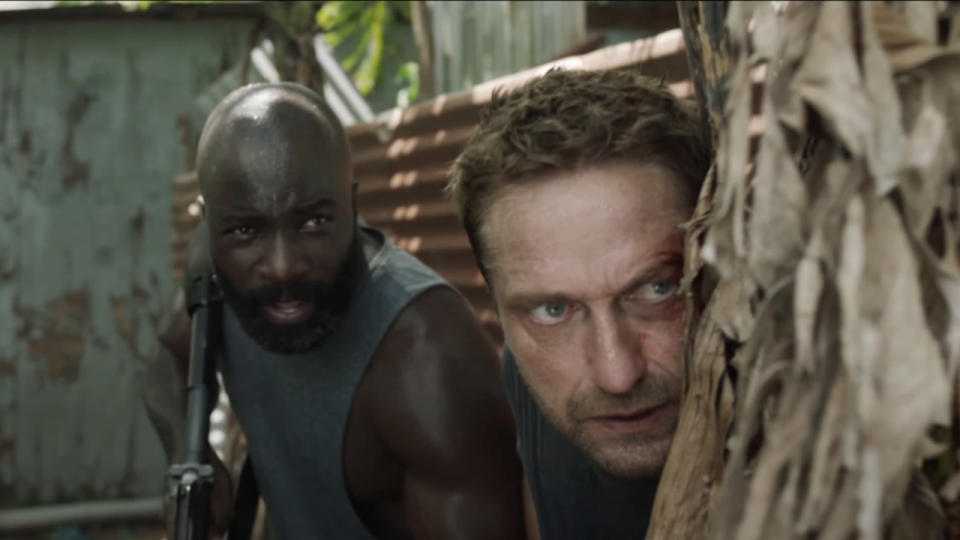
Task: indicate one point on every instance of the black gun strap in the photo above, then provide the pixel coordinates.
(245, 504)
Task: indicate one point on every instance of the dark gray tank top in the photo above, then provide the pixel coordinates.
(574, 500)
(294, 408)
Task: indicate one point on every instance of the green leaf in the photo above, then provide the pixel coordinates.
(337, 13)
(329, 14)
(360, 51)
(369, 24)
(366, 75)
(341, 33)
(408, 73)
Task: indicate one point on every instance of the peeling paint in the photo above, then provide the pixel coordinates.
(89, 147)
(125, 326)
(57, 334)
(26, 143)
(6, 443)
(74, 170)
(7, 367)
(136, 224)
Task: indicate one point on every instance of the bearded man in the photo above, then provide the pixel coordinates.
(368, 393)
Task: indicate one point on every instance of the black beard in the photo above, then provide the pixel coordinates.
(330, 301)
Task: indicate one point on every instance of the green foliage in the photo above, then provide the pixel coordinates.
(367, 23)
(409, 74)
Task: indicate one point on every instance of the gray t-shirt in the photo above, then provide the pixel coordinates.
(574, 500)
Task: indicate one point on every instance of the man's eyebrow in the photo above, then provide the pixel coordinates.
(529, 300)
(654, 270)
(241, 214)
(246, 211)
(320, 204)
(651, 271)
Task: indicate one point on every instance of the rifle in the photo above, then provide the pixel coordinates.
(193, 479)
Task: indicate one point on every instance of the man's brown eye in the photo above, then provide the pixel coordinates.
(315, 222)
(242, 231)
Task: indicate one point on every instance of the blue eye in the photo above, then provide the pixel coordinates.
(658, 290)
(550, 312)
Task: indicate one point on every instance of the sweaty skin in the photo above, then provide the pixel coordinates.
(430, 442)
(585, 268)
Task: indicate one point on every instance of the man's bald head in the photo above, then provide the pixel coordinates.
(268, 134)
(274, 170)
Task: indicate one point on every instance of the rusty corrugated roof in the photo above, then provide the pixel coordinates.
(400, 165)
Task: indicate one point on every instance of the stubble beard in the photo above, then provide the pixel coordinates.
(634, 456)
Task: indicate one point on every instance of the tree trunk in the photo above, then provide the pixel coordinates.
(820, 386)
(708, 55)
(423, 37)
(291, 28)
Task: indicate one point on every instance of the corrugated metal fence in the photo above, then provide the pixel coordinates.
(400, 164)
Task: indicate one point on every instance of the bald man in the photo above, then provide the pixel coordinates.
(369, 395)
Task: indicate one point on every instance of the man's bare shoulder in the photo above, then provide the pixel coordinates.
(437, 332)
(436, 376)
(439, 408)
(438, 321)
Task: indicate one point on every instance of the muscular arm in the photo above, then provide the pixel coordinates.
(163, 383)
(162, 378)
(445, 417)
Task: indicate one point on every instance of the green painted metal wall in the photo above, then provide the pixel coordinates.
(89, 147)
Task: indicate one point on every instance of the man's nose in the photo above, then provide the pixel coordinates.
(616, 354)
(282, 262)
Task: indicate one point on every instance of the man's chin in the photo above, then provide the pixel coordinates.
(634, 449)
(299, 336)
(629, 460)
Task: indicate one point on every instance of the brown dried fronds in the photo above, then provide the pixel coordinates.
(839, 282)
